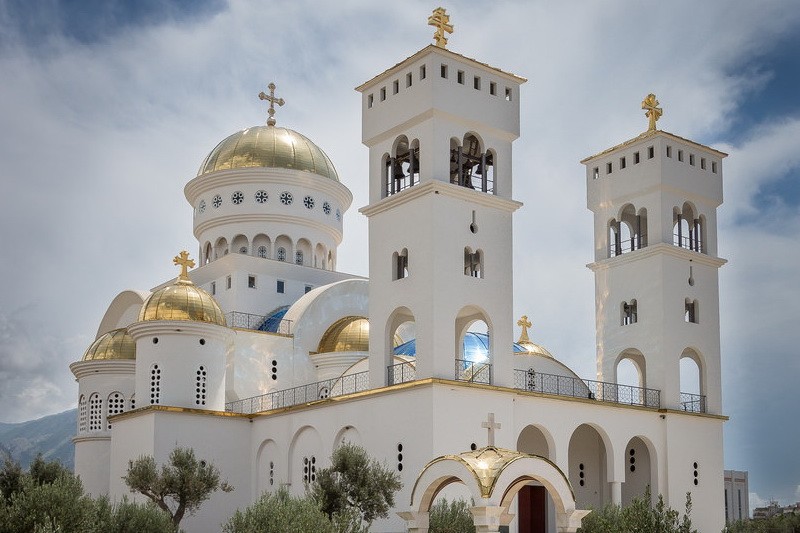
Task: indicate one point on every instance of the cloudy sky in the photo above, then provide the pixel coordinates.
(108, 108)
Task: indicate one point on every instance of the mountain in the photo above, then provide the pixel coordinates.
(50, 435)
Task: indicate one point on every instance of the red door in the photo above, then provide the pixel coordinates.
(532, 509)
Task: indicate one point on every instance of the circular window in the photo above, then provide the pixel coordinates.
(286, 198)
(201, 207)
(237, 197)
(308, 202)
(261, 196)
(217, 201)
(326, 208)
(338, 215)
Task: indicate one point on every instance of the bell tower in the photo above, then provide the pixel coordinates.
(439, 128)
(655, 200)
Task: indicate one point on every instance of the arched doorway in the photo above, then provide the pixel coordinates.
(535, 510)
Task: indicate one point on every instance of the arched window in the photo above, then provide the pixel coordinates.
(629, 232)
(115, 406)
(200, 386)
(630, 313)
(281, 253)
(95, 412)
(688, 228)
(262, 252)
(400, 264)
(691, 312)
(155, 384)
(82, 414)
(473, 263)
(692, 375)
(401, 169)
(207, 254)
(470, 165)
(298, 257)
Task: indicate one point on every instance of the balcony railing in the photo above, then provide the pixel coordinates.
(320, 390)
(531, 380)
(473, 372)
(401, 373)
(688, 242)
(627, 245)
(238, 319)
(693, 403)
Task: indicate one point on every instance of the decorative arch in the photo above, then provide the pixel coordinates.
(95, 417)
(641, 468)
(82, 414)
(639, 362)
(535, 439)
(591, 459)
(283, 248)
(302, 254)
(262, 246)
(305, 453)
(693, 380)
(240, 245)
(469, 368)
(400, 326)
(269, 467)
(689, 229)
(220, 247)
(115, 404)
(207, 253)
(347, 434)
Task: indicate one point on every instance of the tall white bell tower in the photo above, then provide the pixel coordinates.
(439, 128)
(655, 200)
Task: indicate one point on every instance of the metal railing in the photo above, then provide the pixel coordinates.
(239, 319)
(473, 372)
(319, 390)
(400, 373)
(627, 245)
(531, 380)
(688, 242)
(693, 403)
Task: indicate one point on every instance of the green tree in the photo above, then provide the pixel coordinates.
(640, 515)
(10, 479)
(451, 517)
(355, 480)
(279, 512)
(179, 487)
(783, 523)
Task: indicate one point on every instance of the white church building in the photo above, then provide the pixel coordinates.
(264, 358)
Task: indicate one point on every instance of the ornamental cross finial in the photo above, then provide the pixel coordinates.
(653, 111)
(272, 101)
(182, 260)
(491, 425)
(524, 323)
(441, 21)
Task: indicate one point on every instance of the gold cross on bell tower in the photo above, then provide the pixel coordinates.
(524, 323)
(182, 260)
(653, 111)
(272, 101)
(441, 21)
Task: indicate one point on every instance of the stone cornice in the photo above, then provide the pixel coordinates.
(211, 223)
(82, 369)
(657, 249)
(168, 327)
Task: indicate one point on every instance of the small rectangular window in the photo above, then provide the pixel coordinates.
(460, 77)
(680, 156)
(213, 288)
(383, 94)
(395, 86)
(622, 162)
(422, 72)
(228, 282)
(669, 151)
(691, 159)
(280, 286)
(444, 71)
(476, 83)
(408, 80)
(714, 167)
(492, 88)
(370, 101)
(508, 94)
(702, 163)
(609, 168)
(251, 282)
(635, 158)
(308, 289)
(651, 152)
(596, 173)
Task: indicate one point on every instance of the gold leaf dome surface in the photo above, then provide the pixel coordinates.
(348, 334)
(116, 344)
(269, 147)
(182, 301)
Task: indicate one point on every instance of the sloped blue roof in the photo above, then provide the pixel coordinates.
(273, 320)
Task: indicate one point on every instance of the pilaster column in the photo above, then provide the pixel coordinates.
(487, 519)
(616, 493)
(415, 522)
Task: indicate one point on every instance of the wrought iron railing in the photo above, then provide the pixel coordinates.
(693, 403)
(531, 380)
(689, 242)
(320, 390)
(238, 319)
(627, 245)
(473, 372)
(401, 373)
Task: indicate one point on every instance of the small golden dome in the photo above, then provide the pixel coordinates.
(116, 344)
(182, 301)
(270, 147)
(349, 334)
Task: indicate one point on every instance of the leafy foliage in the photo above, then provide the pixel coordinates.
(784, 523)
(280, 512)
(355, 480)
(450, 517)
(180, 487)
(49, 498)
(640, 515)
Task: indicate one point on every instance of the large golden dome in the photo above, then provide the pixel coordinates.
(183, 300)
(270, 147)
(116, 344)
(349, 334)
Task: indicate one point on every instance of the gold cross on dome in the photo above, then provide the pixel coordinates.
(653, 111)
(272, 101)
(441, 21)
(524, 323)
(182, 260)
(491, 425)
